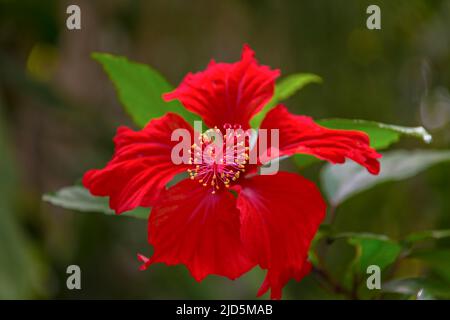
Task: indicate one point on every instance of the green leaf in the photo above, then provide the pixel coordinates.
(323, 232)
(22, 270)
(291, 84)
(438, 260)
(284, 89)
(341, 182)
(78, 198)
(420, 288)
(359, 235)
(305, 160)
(427, 235)
(370, 249)
(381, 135)
(373, 250)
(140, 89)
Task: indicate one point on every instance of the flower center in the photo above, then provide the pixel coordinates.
(219, 159)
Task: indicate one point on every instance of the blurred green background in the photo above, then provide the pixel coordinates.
(59, 112)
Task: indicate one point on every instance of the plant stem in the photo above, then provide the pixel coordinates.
(332, 213)
(333, 285)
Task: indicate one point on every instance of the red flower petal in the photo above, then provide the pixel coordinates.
(141, 165)
(227, 93)
(300, 134)
(193, 227)
(279, 216)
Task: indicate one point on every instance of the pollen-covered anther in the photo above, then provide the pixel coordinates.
(218, 166)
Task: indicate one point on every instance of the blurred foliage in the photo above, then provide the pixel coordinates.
(60, 112)
(341, 182)
(381, 135)
(140, 89)
(79, 198)
(21, 270)
(284, 89)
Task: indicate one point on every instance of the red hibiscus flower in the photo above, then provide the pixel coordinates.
(226, 218)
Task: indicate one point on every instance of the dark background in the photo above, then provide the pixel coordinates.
(59, 112)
